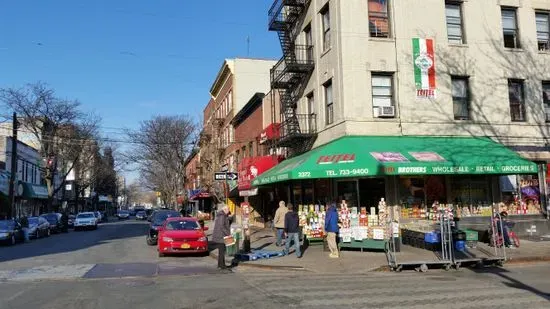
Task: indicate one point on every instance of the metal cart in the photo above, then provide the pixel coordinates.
(445, 256)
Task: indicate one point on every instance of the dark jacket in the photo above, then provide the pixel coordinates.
(292, 222)
(221, 227)
(331, 220)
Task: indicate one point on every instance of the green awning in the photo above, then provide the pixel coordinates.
(32, 191)
(356, 156)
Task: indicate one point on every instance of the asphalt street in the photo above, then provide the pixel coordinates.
(114, 268)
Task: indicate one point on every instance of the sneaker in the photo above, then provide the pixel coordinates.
(299, 257)
(333, 256)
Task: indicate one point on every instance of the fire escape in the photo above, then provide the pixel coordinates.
(290, 75)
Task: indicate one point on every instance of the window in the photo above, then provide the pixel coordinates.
(546, 99)
(311, 112)
(329, 102)
(516, 97)
(381, 90)
(250, 149)
(461, 97)
(231, 134)
(325, 16)
(453, 11)
(543, 30)
(309, 43)
(510, 28)
(379, 23)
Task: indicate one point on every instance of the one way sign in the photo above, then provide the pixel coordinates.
(226, 176)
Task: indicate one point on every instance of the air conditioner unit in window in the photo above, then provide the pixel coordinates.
(384, 111)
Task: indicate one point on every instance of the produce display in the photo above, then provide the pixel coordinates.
(484, 210)
(358, 225)
(312, 220)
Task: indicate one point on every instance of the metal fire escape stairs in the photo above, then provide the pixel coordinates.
(291, 73)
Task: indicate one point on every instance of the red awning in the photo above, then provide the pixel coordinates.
(250, 168)
(271, 132)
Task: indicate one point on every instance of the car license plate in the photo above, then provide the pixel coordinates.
(185, 246)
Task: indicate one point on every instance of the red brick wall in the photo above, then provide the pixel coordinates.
(249, 131)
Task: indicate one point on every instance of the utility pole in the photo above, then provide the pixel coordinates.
(13, 175)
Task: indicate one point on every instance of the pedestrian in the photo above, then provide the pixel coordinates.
(221, 230)
(331, 228)
(65, 222)
(279, 222)
(292, 230)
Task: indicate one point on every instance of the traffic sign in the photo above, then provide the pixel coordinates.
(226, 176)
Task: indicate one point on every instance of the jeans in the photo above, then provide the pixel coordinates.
(504, 234)
(295, 237)
(280, 233)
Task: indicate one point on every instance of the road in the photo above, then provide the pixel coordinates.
(114, 268)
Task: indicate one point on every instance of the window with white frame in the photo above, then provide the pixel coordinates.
(329, 103)
(382, 92)
(510, 28)
(230, 100)
(453, 12)
(325, 19)
(379, 21)
(546, 99)
(517, 99)
(461, 97)
(543, 30)
(311, 112)
(309, 42)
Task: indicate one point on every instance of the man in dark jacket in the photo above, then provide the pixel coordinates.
(221, 230)
(331, 227)
(292, 230)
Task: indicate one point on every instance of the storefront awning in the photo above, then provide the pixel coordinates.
(357, 156)
(32, 191)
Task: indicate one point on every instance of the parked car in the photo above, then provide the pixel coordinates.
(38, 227)
(157, 220)
(56, 226)
(141, 215)
(71, 221)
(85, 220)
(98, 216)
(123, 214)
(11, 232)
(182, 235)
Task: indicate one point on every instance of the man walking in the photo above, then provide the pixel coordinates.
(221, 230)
(331, 227)
(279, 222)
(292, 230)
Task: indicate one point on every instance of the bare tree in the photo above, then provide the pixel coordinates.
(161, 146)
(61, 131)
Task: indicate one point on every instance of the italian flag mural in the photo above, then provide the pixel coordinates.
(424, 67)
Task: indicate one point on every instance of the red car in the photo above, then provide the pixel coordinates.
(182, 235)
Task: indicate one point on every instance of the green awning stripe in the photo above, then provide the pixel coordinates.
(355, 156)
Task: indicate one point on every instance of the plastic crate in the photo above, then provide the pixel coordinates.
(471, 235)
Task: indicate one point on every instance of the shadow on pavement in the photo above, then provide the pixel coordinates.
(74, 241)
(511, 282)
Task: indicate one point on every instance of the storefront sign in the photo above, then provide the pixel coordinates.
(427, 156)
(424, 67)
(389, 157)
(250, 168)
(338, 158)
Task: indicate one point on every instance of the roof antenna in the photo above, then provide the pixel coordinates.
(248, 46)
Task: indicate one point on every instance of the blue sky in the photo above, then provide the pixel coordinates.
(129, 59)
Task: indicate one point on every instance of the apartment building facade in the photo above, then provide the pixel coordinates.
(473, 71)
(236, 82)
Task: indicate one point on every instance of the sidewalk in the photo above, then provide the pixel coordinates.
(316, 260)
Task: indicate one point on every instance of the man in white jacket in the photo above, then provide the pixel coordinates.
(279, 222)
